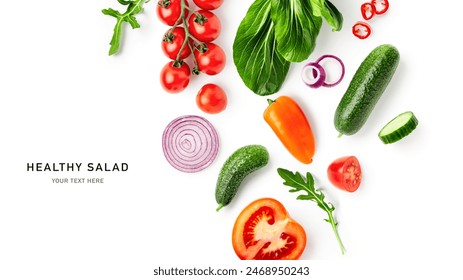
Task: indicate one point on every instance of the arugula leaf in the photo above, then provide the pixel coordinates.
(297, 183)
(255, 55)
(296, 29)
(325, 9)
(133, 7)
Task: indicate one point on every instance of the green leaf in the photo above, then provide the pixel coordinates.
(296, 28)
(133, 22)
(297, 183)
(134, 7)
(325, 9)
(116, 38)
(111, 12)
(124, 2)
(260, 66)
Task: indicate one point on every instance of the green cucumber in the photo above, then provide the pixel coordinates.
(240, 164)
(398, 128)
(365, 89)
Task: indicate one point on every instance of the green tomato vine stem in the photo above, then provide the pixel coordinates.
(182, 19)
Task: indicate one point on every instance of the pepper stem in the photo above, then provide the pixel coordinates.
(270, 101)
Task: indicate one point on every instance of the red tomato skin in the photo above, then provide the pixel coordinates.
(208, 4)
(339, 168)
(209, 30)
(211, 99)
(171, 49)
(171, 13)
(281, 225)
(175, 79)
(212, 61)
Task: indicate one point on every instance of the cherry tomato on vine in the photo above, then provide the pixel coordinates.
(211, 60)
(170, 10)
(172, 43)
(175, 76)
(345, 173)
(211, 99)
(204, 26)
(208, 4)
(265, 231)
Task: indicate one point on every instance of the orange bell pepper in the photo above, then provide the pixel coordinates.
(290, 124)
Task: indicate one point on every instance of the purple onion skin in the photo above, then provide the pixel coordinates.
(190, 143)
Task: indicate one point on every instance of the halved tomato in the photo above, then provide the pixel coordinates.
(265, 231)
(345, 173)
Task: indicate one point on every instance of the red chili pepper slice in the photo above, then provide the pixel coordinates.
(361, 30)
(381, 6)
(368, 10)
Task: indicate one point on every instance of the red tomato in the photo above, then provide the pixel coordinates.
(170, 10)
(345, 173)
(208, 4)
(211, 99)
(175, 78)
(265, 231)
(204, 26)
(172, 43)
(212, 61)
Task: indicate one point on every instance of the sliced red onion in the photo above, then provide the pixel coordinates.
(190, 143)
(313, 75)
(325, 84)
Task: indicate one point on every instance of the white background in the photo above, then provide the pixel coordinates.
(63, 99)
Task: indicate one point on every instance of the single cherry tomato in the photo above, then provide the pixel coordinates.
(345, 173)
(265, 231)
(208, 4)
(211, 59)
(211, 99)
(170, 10)
(291, 126)
(172, 43)
(175, 76)
(204, 26)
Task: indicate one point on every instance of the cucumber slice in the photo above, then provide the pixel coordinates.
(398, 128)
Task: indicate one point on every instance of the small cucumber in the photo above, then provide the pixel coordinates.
(366, 87)
(241, 163)
(398, 128)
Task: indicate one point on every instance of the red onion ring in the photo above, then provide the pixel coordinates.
(190, 143)
(325, 84)
(317, 72)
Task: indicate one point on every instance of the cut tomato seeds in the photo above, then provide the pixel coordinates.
(265, 231)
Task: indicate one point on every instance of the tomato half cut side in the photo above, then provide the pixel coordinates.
(345, 173)
(265, 231)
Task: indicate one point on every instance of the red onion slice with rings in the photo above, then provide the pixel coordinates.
(313, 75)
(190, 143)
(325, 84)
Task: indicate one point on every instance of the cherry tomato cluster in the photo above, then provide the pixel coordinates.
(361, 29)
(191, 34)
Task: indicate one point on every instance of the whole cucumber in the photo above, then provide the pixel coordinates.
(365, 89)
(240, 164)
